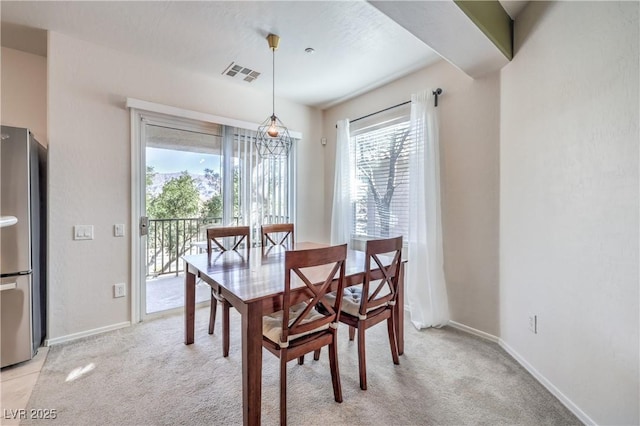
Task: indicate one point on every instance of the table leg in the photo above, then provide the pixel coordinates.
(252, 364)
(399, 312)
(190, 306)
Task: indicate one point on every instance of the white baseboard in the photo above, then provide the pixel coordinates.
(474, 331)
(581, 415)
(75, 336)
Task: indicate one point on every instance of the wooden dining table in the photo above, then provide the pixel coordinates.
(252, 281)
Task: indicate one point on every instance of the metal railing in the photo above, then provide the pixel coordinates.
(170, 239)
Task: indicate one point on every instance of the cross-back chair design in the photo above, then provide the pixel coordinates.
(279, 234)
(216, 240)
(362, 312)
(299, 328)
(216, 235)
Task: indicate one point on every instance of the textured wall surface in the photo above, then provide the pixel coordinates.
(469, 115)
(90, 167)
(569, 202)
(24, 92)
(563, 242)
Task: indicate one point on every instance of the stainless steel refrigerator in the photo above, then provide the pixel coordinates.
(23, 230)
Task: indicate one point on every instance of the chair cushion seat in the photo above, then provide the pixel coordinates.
(351, 299)
(272, 323)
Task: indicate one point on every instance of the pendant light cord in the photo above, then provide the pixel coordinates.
(273, 82)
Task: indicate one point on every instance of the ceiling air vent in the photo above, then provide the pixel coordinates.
(247, 74)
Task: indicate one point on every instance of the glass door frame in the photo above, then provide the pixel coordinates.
(143, 120)
(142, 113)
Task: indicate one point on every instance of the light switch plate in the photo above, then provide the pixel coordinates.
(83, 232)
(118, 230)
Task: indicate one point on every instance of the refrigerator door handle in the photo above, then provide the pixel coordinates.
(8, 221)
(8, 286)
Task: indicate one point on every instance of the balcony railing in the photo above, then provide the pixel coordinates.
(170, 239)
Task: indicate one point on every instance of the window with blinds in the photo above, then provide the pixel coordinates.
(380, 153)
(263, 188)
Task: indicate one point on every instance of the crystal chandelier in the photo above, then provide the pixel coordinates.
(273, 139)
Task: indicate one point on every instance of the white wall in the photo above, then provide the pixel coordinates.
(569, 203)
(469, 134)
(566, 110)
(89, 139)
(24, 91)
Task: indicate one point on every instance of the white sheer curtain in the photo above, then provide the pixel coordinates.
(341, 212)
(426, 290)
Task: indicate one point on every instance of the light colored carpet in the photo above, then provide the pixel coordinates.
(145, 375)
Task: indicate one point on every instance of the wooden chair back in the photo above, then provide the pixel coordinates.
(296, 262)
(216, 235)
(383, 293)
(284, 238)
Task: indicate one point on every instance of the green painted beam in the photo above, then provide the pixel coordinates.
(492, 20)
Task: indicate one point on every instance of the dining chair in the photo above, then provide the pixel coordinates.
(218, 240)
(299, 328)
(277, 234)
(360, 312)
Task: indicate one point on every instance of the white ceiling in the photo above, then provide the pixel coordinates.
(357, 47)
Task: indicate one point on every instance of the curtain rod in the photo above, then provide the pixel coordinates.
(436, 92)
(378, 112)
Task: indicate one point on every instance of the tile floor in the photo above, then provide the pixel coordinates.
(16, 384)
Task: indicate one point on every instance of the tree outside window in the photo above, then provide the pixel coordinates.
(381, 200)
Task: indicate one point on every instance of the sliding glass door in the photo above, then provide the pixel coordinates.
(198, 175)
(183, 194)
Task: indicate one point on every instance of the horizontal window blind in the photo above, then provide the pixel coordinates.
(381, 195)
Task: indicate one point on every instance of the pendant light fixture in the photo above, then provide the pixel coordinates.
(273, 139)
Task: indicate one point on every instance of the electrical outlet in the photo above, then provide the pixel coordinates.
(533, 324)
(119, 290)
